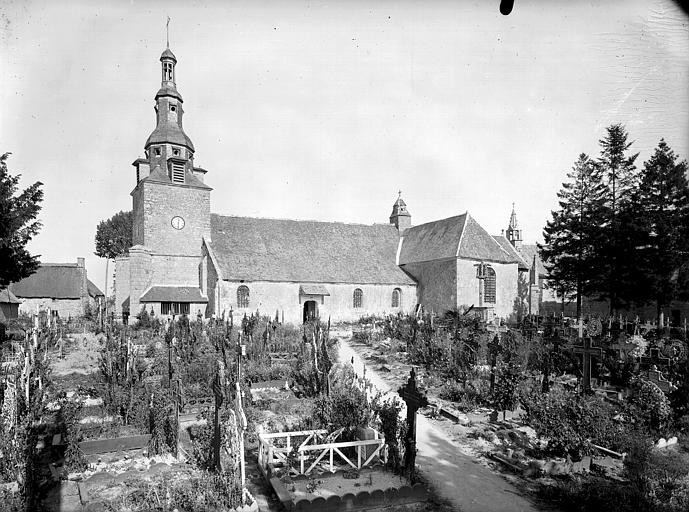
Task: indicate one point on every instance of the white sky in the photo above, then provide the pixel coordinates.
(323, 110)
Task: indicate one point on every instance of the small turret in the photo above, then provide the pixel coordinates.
(400, 216)
(514, 235)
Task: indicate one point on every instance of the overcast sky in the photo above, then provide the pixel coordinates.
(323, 110)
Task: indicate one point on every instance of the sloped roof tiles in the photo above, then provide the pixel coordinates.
(51, 280)
(255, 249)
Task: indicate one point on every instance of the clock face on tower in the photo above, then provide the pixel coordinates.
(177, 222)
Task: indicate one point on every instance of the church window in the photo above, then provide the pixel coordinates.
(358, 298)
(489, 286)
(174, 308)
(396, 295)
(243, 297)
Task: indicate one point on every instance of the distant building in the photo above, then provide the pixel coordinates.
(64, 288)
(9, 305)
(186, 260)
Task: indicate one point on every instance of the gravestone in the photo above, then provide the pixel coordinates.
(415, 400)
(586, 351)
(657, 378)
(219, 392)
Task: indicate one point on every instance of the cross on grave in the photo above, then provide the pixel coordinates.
(623, 347)
(586, 351)
(179, 404)
(655, 358)
(414, 399)
(657, 378)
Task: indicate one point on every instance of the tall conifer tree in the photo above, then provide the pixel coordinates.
(618, 174)
(572, 235)
(662, 227)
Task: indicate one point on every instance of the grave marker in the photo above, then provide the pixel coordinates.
(586, 351)
(414, 399)
(657, 378)
(218, 391)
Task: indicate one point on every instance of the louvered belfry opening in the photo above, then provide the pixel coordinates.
(176, 170)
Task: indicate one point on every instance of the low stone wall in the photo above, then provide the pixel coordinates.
(361, 501)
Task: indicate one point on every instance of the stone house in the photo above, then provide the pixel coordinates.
(9, 305)
(64, 288)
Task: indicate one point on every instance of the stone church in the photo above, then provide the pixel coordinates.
(187, 260)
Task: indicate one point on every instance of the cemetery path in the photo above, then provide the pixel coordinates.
(454, 475)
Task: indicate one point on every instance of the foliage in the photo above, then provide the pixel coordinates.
(467, 397)
(114, 235)
(649, 406)
(572, 235)
(661, 222)
(390, 423)
(508, 377)
(18, 225)
(347, 410)
(69, 414)
(570, 422)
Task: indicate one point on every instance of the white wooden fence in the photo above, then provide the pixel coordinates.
(309, 455)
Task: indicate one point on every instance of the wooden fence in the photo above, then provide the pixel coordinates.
(274, 449)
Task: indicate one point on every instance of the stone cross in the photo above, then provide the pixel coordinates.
(586, 350)
(218, 391)
(657, 378)
(414, 399)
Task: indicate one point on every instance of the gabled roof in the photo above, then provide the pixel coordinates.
(94, 291)
(454, 237)
(253, 249)
(51, 280)
(509, 248)
(173, 294)
(7, 297)
(528, 251)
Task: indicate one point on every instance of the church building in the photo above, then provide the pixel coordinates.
(187, 260)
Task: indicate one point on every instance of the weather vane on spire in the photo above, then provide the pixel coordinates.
(167, 32)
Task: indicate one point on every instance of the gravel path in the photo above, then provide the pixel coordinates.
(455, 476)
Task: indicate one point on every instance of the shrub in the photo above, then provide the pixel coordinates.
(649, 405)
(349, 411)
(570, 422)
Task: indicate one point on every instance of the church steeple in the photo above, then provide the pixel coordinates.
(169, 151)
(514, 234)
(400, 216)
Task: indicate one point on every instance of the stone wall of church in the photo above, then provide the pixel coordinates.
(169, 270)
(506, 286)
(269, 298)
(162, 202)
(437, 284)
(66, 308)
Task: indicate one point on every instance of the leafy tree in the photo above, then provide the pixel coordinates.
(18, 225)
(619, 176)
(573, 235)
(114, 236)
(662, 227)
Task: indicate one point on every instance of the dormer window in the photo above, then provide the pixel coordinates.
(157, 151)
(173, 108)
(175, 151)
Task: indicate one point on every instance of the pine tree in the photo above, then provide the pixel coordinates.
(572, 235)
(18, 225)
(662, 227)
(619, 175)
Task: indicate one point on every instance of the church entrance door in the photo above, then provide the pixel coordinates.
(310, 310)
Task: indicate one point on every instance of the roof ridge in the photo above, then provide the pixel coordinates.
(306, 220)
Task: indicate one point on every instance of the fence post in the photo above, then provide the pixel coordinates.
(358, 457)
(332, 468)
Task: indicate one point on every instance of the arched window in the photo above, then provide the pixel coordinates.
(489, 286)
(243, 297)
(396, 296)
(358, 298)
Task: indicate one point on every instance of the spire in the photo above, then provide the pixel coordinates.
(514, 234)
(400, 216)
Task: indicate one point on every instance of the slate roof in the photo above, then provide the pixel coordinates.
(93, 290)
(173, 294)
(509, 248)
(158, 175)
(51, 280)
(313, 289)
(528, 251)
(459, 236)
(7, 297)
(254, 249)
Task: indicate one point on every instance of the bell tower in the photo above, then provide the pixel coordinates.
(513, 233)
(400, 216)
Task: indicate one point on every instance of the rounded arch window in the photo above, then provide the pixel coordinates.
(489, 286)
(396, 297)
(358, 298)
(243, 297)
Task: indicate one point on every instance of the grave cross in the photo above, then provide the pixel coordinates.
(657, 378)
(414, 399)
(218, 391)
(586, 351)
(179, 404)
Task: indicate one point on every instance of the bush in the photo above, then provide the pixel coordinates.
(349, 411)
(467, 398)
(570, 422)
(649, 405)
